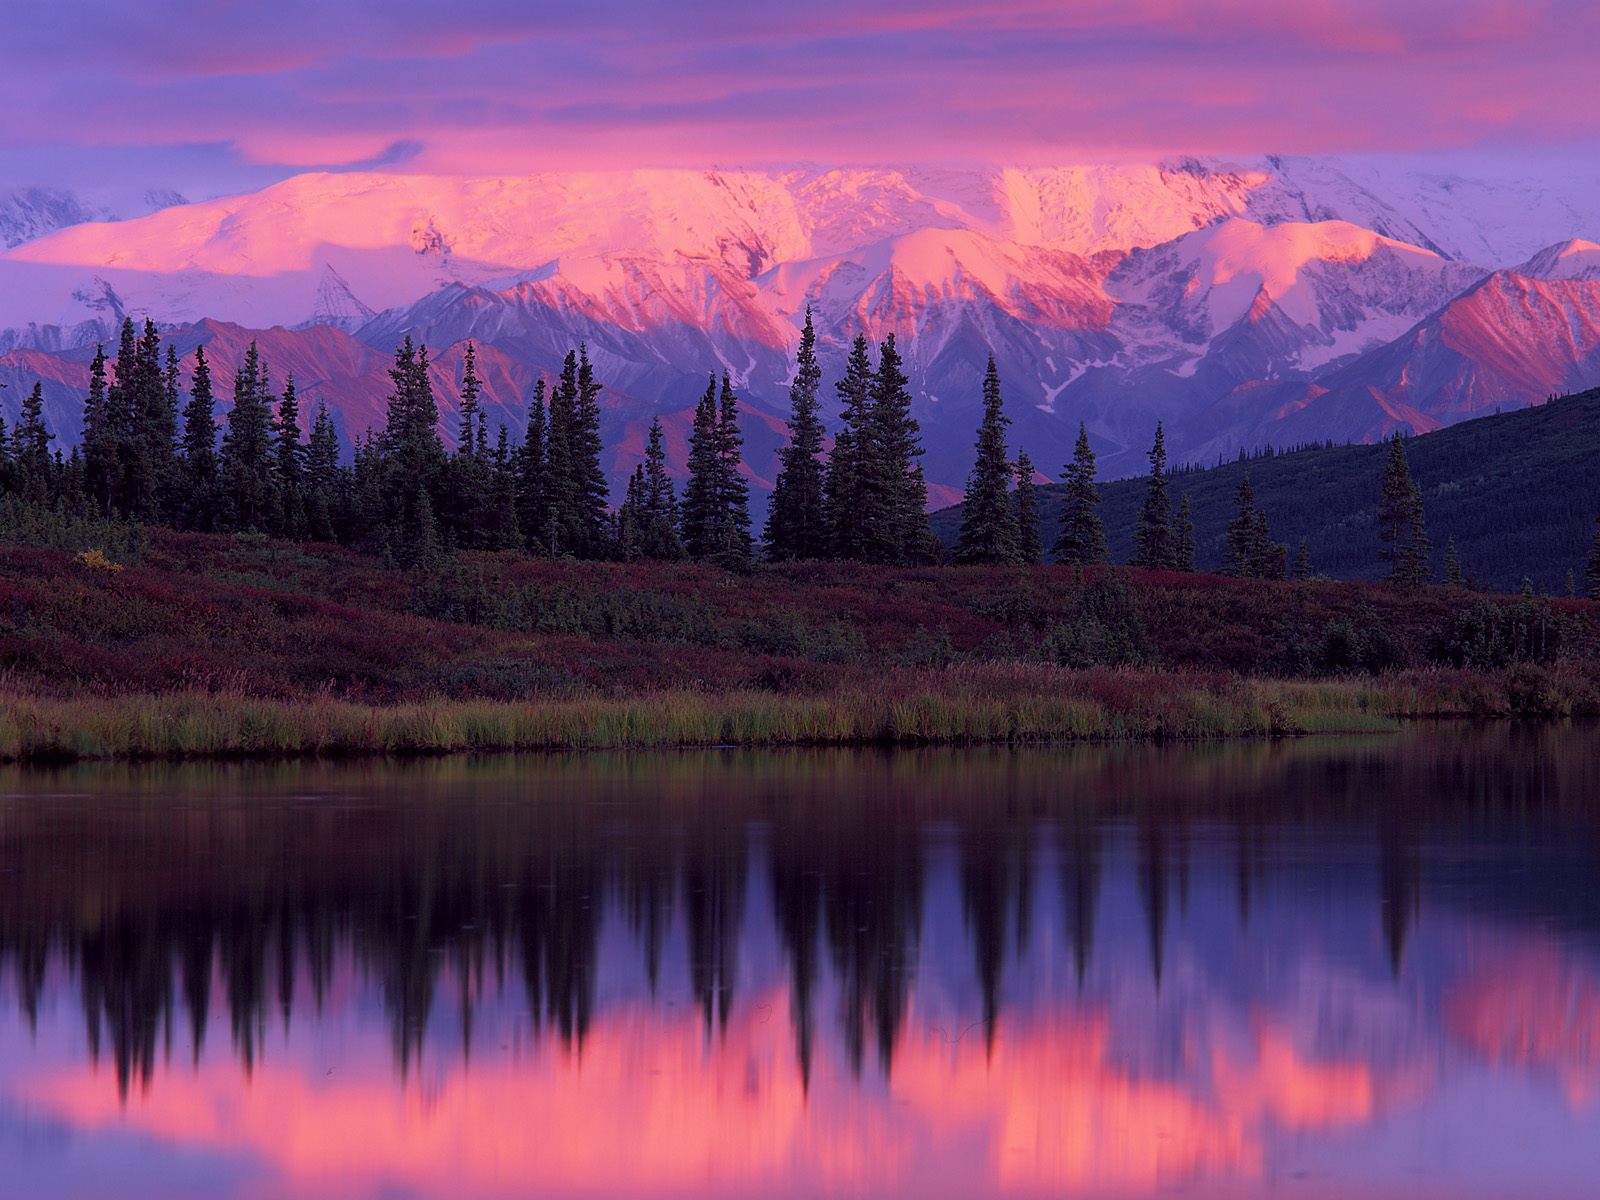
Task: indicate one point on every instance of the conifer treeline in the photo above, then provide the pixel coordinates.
(149, 454)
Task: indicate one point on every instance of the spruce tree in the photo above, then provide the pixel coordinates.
(245, 470)
(797, 526)
(1591, 570)
(199, 448)
(1029, 546)
(1452, 565)
(32, 468)
(716, 516)
(897, 530)
(1082, 539)
(1244, 533)
(471, 388)
(700, 491)
(322, 477)
(575, 481)
(989, 530)
(289, 464)
(1401, 528)
(1302, 561)
(847, 484)
(1152, 538)
(658, 503)
(735, 543)
(413, 458)
(101, 441)
(499, 529)
(1183, 538)
(150, 444)
(120, 406)
(5, 456)
(531, 496)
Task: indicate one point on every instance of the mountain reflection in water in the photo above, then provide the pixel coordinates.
(1317, 967)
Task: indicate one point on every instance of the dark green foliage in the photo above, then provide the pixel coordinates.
(1400, 522)
(1517, 491)
(1030, 546)
(413, 459)
(657, 503)
(533, 506)
(498, 528)
(32, 470)
(1302, 561)
(1082, 537)
(989, 532)
(846, 487)
(1252, 554)
(101, 443)
(1488, 634)
(1104, 628)
(1154, 544)
(797, 524)
(289, 466)
(897, 522)
(198, 510)
(575, 485)
(716, 514)
(1183, 534)
(1452, 566)
(325, 483)
(246, 476)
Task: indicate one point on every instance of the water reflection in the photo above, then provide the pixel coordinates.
(1313, 967)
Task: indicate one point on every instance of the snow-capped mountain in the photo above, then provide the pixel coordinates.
(31, 212)
(1274, 301)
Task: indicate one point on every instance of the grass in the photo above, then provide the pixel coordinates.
(959, 706)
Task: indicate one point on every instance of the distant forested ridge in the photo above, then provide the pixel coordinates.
(1517, 492)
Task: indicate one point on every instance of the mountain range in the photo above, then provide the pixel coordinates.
(1277, 302)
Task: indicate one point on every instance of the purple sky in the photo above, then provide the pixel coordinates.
(221, 96)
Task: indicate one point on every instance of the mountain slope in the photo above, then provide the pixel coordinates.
(1519, 492)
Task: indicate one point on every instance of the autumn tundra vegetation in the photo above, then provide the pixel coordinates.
(167, 591)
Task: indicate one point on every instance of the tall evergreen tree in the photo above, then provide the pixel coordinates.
(1452, 566)
(499, 529)
(200, 448)
(150, 445)
(1302, 561)
(989, 531)
(716, 515)
(322, 477)
(1245, 553)
(1152, 538)
(898, 495)
(700, 492)
(847, 484)
(1029, 546)
(533, 518)
(658, 503)
(1082, 539)
(471, 389)
(245, 470)
(575, 481)
(101, 442)
(289, 463)
(1183, 535)
(1401, 528)
(735, 541)
(32, 469)
(797, 525)
(412, 456)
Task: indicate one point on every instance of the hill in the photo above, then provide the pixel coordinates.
(1519, 492)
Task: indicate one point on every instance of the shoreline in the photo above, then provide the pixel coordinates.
(1092, 707)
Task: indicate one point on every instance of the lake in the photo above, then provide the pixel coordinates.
(1317, 968)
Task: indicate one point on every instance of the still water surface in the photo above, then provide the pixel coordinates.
(1321, 969)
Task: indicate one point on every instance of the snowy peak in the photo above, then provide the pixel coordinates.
(1571, 259)
(32, 212)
